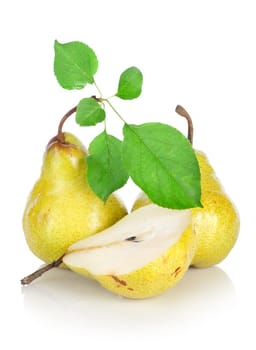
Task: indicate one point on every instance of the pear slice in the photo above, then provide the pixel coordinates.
(141, 255)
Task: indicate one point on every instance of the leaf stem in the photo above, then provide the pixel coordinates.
(105, 125)
(60, 135)
(117, 113)
(30, 278)
(108, 98)
(183, 113)
(97, 87)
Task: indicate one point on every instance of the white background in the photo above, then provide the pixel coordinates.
(200, 54)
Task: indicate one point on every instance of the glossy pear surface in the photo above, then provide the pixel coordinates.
(61, 209)
(141, 256)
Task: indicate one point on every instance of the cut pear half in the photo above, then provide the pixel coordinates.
(131, 243)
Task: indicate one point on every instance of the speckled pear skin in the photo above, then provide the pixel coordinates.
(61, 208)
(216, 225)
(209, 181)
(154, 278)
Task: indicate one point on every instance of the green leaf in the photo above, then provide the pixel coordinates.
(161, 161)
(89, 112)
(75, 64)
(130, 84)
(106, 172)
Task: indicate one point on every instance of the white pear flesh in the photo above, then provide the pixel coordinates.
(131, 243)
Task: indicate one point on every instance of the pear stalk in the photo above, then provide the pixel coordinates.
(38, 273)
(60, 136)
(183, 113)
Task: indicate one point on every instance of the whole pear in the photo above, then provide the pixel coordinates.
(217, 223)
(62, 208)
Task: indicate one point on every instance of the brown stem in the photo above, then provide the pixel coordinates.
(60, 136)
(98, 99)
(182, 112)
(30, 278)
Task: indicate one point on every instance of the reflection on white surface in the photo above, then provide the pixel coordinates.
(65, 301)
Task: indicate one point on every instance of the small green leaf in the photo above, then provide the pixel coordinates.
(89, 112)
(106, 172)
(130, 84)
(75, 64)
(161, 161)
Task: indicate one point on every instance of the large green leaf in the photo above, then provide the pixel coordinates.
(161, 161)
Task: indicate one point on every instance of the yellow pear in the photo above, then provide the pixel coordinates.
(216, 225)
(142, 255)
(61, 209)
(209, 181)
